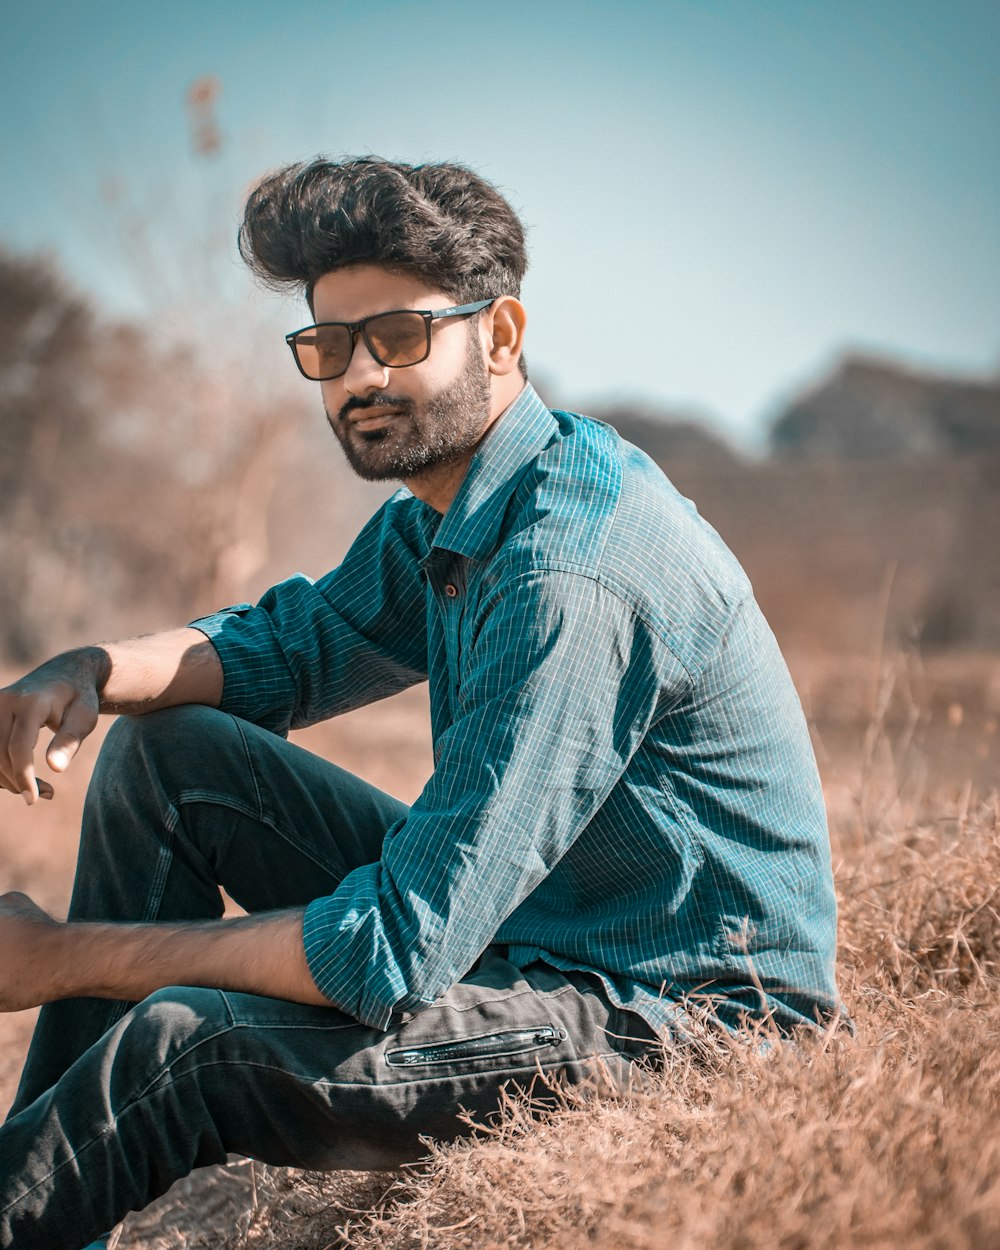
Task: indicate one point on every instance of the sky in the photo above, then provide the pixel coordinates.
(722, 196)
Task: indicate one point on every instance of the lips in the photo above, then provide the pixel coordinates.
(370, 419)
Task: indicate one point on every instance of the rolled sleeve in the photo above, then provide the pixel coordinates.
(258, 685)
(350, 956)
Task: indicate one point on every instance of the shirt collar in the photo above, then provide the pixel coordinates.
(472, 523)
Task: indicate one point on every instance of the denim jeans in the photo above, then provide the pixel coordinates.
(119, 1100)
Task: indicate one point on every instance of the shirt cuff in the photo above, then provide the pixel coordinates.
(348, 956)
(257, 684)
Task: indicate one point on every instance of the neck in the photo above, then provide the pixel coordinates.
(439, 485)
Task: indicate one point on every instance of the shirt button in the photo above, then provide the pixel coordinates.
(451, 591)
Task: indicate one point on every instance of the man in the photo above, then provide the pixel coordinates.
(623, 839)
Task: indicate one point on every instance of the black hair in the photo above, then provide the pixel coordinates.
(440, 222)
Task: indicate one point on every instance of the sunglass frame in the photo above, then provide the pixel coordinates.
(361, 327)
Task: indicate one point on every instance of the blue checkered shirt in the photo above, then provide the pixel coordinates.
(623, 778)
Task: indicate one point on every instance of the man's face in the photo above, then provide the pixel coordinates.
(398, 423)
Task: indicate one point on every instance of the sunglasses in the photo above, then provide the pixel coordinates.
(395, 339)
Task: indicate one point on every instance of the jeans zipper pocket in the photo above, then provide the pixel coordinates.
(487, 1046)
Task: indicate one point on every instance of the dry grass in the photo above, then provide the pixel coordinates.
(885, 1139)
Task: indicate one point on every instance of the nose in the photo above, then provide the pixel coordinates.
(364, 373)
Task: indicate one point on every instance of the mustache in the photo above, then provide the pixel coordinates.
(372, 402)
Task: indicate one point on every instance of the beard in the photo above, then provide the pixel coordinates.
(438, 431)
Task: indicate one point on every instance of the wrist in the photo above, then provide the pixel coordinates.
(91, 664)
(55, 948)
(84, 666)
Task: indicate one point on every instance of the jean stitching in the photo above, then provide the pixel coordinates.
(164, 859)
(297, 845)
(218, 799)
(544, 995)
(231, 802)
(531, 1064)
(268, 821)
(250, 766)
(237, 1023)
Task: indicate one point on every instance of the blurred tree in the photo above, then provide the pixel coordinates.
(135, 479)
(47, 421)
(139, 462)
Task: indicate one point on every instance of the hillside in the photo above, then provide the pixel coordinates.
(877, 508)
(870, 409)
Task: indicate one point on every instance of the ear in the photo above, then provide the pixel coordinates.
(503, 327)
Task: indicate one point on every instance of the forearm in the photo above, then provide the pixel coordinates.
(259, 954)
(142, 674)
(160, 670)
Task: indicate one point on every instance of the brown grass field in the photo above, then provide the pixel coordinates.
(887, 1139)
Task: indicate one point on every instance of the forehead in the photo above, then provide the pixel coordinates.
(359, 290)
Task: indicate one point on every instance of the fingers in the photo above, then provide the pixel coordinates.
(19, 767)
(79, 720)
(73, 718)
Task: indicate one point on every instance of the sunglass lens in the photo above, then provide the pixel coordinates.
(324, 351)
(398, 338)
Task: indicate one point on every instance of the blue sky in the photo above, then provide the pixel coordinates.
(721, 195)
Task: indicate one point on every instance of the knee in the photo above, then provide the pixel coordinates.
(137, 748)
(162, 732)
(181, 1014)
(157, 1035)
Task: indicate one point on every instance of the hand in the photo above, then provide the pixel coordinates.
(62, 694)
(24, 927)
